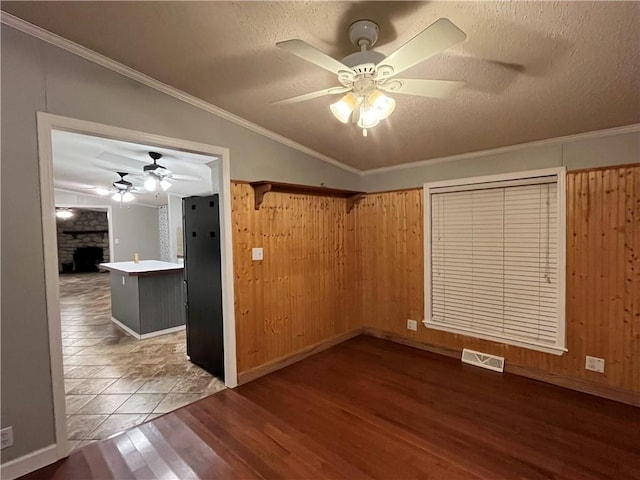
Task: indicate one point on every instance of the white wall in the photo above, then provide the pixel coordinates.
(135, 227)
(586, 152)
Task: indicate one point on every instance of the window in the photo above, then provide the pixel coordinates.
(494, 252)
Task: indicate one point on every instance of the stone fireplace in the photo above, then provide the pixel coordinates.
(83, 241)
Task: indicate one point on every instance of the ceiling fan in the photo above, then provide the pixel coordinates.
(122, 190)
(366, 74)
(157, 175)
(153, 175)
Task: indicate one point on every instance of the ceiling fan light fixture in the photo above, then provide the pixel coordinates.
(123, 197)
(343, 108)
(382, 104)
(150, 184)
(165, 184)
(369, 117)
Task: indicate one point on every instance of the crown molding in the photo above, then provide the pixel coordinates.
(609, 132)
(106, 62)
(87, 54)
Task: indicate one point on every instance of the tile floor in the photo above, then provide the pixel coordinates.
(113, 381)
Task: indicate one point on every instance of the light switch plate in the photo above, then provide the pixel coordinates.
(412, 325)
(256, 253)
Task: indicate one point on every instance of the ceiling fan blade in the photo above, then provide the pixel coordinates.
(115, 159)
(311, 54)
(437, 37)
(423, 88)
(186, 178)
(309, 96)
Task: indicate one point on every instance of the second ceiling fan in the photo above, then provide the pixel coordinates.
(366, 74)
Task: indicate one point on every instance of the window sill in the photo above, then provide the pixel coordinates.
(553, 349)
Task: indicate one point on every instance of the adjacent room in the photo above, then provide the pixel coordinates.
(301, 240)
(124, 343)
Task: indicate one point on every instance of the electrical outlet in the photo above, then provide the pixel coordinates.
(6, 436)
(256, 254)
(412, 325)
(594, 364)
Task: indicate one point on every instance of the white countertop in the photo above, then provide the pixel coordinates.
(143, 266)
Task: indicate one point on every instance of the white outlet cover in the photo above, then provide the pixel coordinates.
(594, 364)
(116, 241)
(412, 325)
(256, 253)
(7, 437)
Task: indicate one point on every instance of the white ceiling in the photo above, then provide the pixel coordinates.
(533, 70)
(82, 162)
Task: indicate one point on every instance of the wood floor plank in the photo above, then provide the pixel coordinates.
(135, 461)
(156, 439)
(117, 467)
(321, 460)
(202, 451)
(371, 409)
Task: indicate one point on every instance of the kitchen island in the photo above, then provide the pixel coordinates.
(146, 297)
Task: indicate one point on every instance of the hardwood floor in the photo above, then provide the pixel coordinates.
(372, 409)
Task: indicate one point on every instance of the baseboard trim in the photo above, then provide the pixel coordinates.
(144, 336)
(277, 364)
(578, 384)
(28, 463)
(410, 342)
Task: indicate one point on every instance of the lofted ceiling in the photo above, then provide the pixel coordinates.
(82, 163)
(533, 70)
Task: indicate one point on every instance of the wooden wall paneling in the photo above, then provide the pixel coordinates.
(577, 335)
(295, 297)
(603, 271)
(632, 272)
(327, 272)
(635, 354)
(571, 258)
(591, 263)
(616, 285)
(352, 291)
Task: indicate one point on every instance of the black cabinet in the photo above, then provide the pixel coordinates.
(203, 283)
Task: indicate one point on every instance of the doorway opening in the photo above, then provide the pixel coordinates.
(107, 374)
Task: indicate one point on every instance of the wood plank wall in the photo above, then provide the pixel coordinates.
(603, 276)
(298, 295)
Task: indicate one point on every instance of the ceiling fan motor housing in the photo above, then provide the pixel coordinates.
(364, 32)
(152, 167)
(122, 184)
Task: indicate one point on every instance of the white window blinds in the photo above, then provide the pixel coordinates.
(494, 261)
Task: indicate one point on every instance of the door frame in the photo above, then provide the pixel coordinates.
(46, 124)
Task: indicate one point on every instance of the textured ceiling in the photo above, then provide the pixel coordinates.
(533, 70)
(83, 162)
